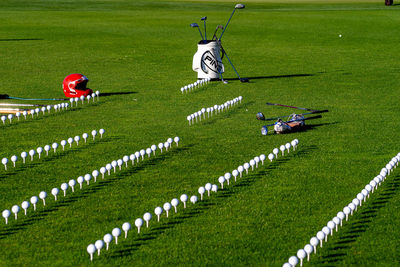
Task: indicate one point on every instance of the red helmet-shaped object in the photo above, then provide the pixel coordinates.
(74, 85)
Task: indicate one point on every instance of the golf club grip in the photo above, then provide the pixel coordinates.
(2, 96)
(282, 105)
(308, 109)
(319, 111)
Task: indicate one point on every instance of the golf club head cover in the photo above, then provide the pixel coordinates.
(298, 118)
(281, 127)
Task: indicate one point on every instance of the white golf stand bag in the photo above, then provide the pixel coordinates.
(207, 61)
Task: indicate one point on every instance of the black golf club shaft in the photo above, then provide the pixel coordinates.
(205, 29)
(282, 105)
(308, 113)
(309, 118)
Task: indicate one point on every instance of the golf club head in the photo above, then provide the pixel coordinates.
(204, 18)
(194, 25)
(244, 80)
(215, 32)
(264, 130)
(239, 6)
(260, 116)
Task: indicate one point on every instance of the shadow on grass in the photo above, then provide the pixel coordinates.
(273, 77)
(117, 93)
(155, 232)
(199, 208)
(151, 162)
(360, 222)
(309, 127)
(235, 111)
(43, 211)
(305, 150)
(200, 89)
(229, 113)
(59, 155)
(20, 39)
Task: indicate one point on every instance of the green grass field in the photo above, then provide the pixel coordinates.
(140, 54)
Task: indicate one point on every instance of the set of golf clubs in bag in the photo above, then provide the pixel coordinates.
(207, 61)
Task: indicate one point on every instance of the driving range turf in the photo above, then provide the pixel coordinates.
(139, 54)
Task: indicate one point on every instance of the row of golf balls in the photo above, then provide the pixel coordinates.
(82, 98)
(87, 177)
(194, 85)
(47, 148)
(341, 215)
(116, 232)
(217, 108)
(254, 162)
(125, 159)
(56, 107)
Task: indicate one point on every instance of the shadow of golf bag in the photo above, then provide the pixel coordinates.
(207, 61)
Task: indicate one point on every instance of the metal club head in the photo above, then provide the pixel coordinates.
(244, 80)
(260, 116)
(204, 18)
(195, 25)
(237, 6)
(215, 32)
